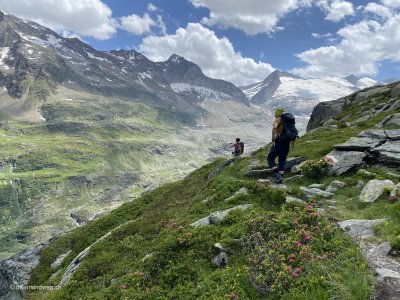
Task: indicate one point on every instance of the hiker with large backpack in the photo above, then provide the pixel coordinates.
(238, 147)
(283, 132)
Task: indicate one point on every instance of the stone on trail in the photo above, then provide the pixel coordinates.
(360, 228)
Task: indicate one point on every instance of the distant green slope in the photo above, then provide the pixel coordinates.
(93, 153)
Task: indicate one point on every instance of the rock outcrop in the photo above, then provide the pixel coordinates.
(15, 272)
(218, 216)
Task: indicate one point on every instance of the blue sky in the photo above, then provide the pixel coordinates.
(240, 41)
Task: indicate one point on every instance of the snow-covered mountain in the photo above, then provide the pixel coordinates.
(298, 95)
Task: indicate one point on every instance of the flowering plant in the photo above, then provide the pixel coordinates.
(281, 247)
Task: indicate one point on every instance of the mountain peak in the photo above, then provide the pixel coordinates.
(352, 79)
(176, 58)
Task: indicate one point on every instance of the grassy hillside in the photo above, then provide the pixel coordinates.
(90, 155)
(276, 250)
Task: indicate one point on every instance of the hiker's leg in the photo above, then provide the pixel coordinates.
(272, 155)
(283, 153)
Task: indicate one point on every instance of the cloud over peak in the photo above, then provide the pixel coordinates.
(216, 56)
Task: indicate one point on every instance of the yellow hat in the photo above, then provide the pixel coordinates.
(279, 111)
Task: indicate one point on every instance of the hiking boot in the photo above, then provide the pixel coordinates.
(277, 178)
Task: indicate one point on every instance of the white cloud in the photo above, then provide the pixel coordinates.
(321, 36)
(136, 24)
(251, 16)
(151, 7)
(216, 56)
(362, 47)
(391, 3)
(378, 10)
(83, 17)
(338, 10)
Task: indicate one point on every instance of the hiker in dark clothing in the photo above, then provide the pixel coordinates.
(238, 147)
(280, 148)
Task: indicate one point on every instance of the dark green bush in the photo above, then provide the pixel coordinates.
(315, 168)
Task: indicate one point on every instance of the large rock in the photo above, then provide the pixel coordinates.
(325, 111)
(345, 161)
(388, 153)
(390, 120)
(358, 144)
(380, 134)
(293, 161)
(373, 189)
(218, 216)
(360, 228)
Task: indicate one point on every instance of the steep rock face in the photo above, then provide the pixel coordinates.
(187, 78)
(325, 111)
(370, 101)
(271, 84)
(15, 272)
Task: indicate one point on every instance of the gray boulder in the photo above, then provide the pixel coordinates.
(381, 250)
(345, 161)
(293, 161)
(310, 192)
(218, 216)
(380, 134)
(60, 259)
(293, 199)
(390, 120)
(360, 228)
(358, 144)
(242, 191)
(373, 189)
(388, 153)
(334, 186)
(221, 260)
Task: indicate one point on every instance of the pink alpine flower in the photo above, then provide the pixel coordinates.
(232, 296)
